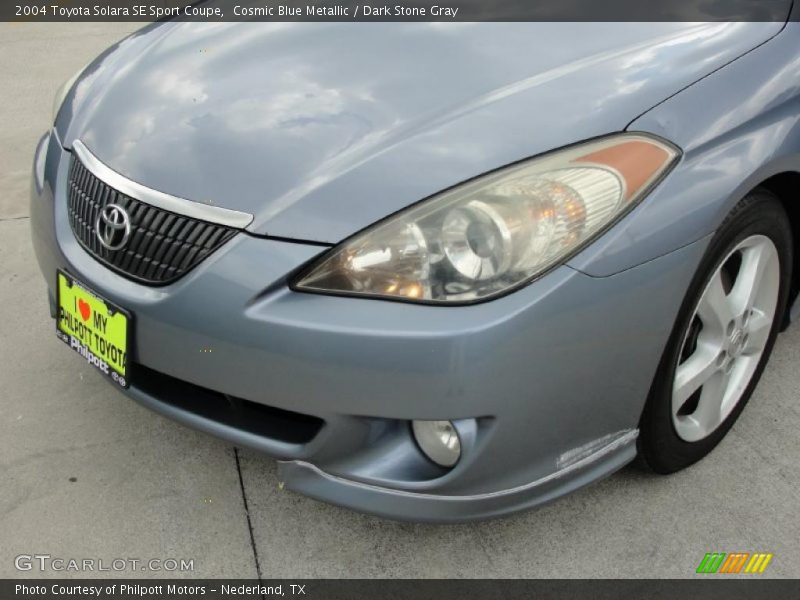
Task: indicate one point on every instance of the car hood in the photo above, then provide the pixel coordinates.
(319, 130)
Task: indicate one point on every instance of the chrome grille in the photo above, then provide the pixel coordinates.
(163, 246)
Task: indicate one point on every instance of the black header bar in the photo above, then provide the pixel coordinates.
(397, 10)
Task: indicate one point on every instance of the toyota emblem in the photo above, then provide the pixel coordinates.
(113, 227)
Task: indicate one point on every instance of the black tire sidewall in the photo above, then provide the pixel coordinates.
(660, 447)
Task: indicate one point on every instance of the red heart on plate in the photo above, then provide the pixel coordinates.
(86, 310)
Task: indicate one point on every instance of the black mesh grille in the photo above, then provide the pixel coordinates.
(163, 246)
(286, 426)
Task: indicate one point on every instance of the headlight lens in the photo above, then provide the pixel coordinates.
(62, 92)
(497, 232)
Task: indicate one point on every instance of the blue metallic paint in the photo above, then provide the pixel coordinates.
(268, 120)
(532, 376)
(737, 128)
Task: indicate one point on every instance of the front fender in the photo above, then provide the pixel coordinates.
(737, 127)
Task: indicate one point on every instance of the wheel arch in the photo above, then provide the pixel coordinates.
(786, 186)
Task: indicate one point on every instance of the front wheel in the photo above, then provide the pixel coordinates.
(722, 338)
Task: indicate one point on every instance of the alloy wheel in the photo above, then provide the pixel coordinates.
(726, 338)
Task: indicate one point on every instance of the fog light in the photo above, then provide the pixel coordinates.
(438, 440)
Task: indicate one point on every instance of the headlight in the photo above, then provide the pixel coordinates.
(62, 92)
(499, 231)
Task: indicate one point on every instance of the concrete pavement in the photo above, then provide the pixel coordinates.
(88, 474)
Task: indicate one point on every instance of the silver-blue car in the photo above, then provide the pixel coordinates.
(440, 272)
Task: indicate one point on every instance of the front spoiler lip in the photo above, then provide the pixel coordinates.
(306, 478)
(297, 474)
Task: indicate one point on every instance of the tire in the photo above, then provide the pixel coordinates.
(676, 433)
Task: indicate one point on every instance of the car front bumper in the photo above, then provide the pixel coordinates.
(545, 385)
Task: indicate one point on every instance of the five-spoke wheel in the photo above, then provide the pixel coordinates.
(727, 337)
(723, 336)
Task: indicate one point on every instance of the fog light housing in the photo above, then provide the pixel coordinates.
(438, 440)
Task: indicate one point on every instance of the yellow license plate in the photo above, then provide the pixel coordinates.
(94, 328)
